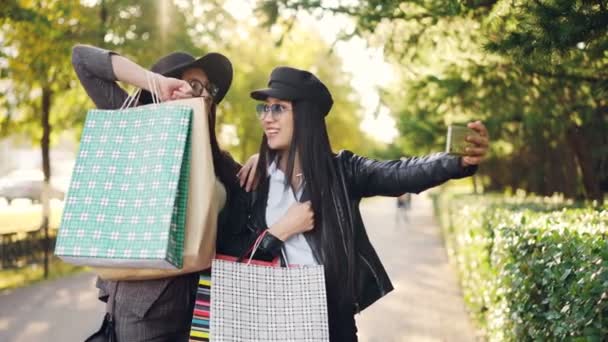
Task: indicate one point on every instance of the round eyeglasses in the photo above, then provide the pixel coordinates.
(198, 88)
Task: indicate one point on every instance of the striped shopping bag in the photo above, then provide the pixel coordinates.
(201, 317)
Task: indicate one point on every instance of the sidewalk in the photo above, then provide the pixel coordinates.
(63, 310)
(426, 304)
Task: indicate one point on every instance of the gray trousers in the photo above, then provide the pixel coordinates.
(167, 319)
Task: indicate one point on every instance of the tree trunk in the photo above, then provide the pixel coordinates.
(46, 169)
(103, 18)
(570, 177)
(582, 150)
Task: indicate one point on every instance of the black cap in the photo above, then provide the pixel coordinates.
(293, 84)
(217, 67)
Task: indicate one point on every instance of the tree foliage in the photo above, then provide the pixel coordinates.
(534, 71)
(303, 50)
(36, 70)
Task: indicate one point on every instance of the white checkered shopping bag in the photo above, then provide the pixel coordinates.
(264, 303)
(126, 204)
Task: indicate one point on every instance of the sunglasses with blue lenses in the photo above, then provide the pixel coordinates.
(275, 109)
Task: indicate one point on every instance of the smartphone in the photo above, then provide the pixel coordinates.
(456, 140)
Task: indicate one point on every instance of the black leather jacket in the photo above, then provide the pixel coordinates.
(362, 177)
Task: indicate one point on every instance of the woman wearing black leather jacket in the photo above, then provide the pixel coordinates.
(296, 164)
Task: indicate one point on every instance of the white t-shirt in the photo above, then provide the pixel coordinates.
(280, 198)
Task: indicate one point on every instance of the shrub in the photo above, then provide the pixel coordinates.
(530, 268)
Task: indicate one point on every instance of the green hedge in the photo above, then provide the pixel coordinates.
(531, 269)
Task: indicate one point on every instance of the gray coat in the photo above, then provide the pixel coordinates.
(151, 310)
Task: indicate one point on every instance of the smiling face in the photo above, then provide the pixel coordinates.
(278, 123)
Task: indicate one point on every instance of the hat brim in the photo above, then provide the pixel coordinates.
(216, 66)
(281, 94)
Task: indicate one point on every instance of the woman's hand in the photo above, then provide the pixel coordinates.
(477, 152)
(299, 218)
(247, 174)
(167, 88)
(172, 88)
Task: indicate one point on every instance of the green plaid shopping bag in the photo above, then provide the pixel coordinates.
(126, 204)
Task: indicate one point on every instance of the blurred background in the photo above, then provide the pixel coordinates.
(400, 71)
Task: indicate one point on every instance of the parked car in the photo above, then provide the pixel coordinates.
(31, 189)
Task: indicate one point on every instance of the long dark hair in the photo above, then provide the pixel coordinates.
(224, 166)
(332, 233)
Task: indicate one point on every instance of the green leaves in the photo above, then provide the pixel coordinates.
(534, 71)
(302, 49)
(552, 26)
(38, 41)
(546, 266)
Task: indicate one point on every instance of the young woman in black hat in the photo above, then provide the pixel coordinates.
(161, 310)
(297, 164)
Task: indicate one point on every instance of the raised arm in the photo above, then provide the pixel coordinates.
(94, 69)
(99, 70)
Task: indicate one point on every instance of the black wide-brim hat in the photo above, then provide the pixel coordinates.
(293, 84)
(217, 67)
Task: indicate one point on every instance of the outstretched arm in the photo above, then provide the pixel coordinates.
(368, 177)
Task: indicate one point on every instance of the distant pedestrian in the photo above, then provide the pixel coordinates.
(404, 203)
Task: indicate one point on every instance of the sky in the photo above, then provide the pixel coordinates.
(365, 64)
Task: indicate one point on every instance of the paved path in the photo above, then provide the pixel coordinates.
(63, 310)
(426, 304)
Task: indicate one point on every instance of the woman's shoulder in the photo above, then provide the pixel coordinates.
(349, 158)
(344, 155)
(347, 161)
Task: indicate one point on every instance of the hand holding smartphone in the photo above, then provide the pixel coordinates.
(456, 142)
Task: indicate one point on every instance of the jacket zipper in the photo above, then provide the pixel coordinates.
(352, 226)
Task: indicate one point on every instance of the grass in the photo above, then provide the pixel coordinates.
(14, 278)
